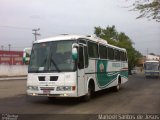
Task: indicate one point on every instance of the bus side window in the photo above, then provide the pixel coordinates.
(123, 56)
(93, 50)
(80, 58)
(117, 54)
(103, 52)
(86, 56)
(111, 53)
(83, 41)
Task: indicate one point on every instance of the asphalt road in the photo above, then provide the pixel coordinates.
(137, 96)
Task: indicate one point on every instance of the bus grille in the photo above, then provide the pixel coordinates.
(41, 78)
(52, 78)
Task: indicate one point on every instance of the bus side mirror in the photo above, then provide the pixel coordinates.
(74, 53)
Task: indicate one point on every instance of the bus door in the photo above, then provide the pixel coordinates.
(81, 71)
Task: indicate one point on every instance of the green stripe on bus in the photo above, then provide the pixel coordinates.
(105, 78)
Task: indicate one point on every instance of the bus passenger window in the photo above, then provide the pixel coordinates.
(123, 57)
(86, 56)
(117, 55)
(93, 50)
(80, 58)
(103, 52)
(111, 53)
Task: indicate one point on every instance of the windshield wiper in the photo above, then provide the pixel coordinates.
(52, 61)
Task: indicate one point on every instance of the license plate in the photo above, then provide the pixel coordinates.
(46, 91)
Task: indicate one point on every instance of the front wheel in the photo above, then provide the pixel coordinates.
(87, 97)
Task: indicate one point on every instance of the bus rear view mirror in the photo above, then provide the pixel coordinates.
(74, 53)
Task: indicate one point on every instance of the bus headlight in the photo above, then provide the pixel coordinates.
(35, 88)
(64, 88)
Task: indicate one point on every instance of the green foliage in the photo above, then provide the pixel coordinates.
(121, 40)
(148, 8)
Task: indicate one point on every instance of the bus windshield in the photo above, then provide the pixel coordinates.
(55, 56)
(152, 66)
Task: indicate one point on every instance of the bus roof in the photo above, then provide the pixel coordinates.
(59, 37)
(68, 37)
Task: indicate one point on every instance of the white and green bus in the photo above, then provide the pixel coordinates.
(74, 66)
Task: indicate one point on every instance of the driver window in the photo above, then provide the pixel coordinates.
(80, 58)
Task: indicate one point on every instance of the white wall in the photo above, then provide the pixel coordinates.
(13, 70)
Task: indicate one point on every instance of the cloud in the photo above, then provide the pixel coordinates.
(35, 17)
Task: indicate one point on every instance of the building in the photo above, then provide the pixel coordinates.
(153, 57)
(141, 61)
(11, 57)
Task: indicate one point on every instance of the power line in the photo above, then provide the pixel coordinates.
(13, 47)
(14, 27)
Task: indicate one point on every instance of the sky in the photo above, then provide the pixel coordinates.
(53, 17)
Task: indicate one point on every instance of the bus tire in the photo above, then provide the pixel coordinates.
(117, 87)
(90, 92)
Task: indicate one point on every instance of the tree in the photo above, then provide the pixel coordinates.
(148, 8)
(121, 40)
(151, 54)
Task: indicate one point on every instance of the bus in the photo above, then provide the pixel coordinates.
(152, 68)
(26, 55)
(75, 66)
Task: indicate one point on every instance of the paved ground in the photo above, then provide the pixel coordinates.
(138, 95)
(10, 88)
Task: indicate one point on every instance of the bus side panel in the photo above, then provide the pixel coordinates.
(90, 72)
(108, 73)
(124, 72)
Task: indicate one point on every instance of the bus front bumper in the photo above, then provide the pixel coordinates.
(152, 74)
(52, 91)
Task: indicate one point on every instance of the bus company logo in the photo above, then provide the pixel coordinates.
(101, 66)
(47, 78)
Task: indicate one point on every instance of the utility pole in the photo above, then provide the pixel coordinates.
(9, 45)
(35, 33)
(147, 53)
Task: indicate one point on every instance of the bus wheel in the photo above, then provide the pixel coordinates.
(117, 87)
(87, 97)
